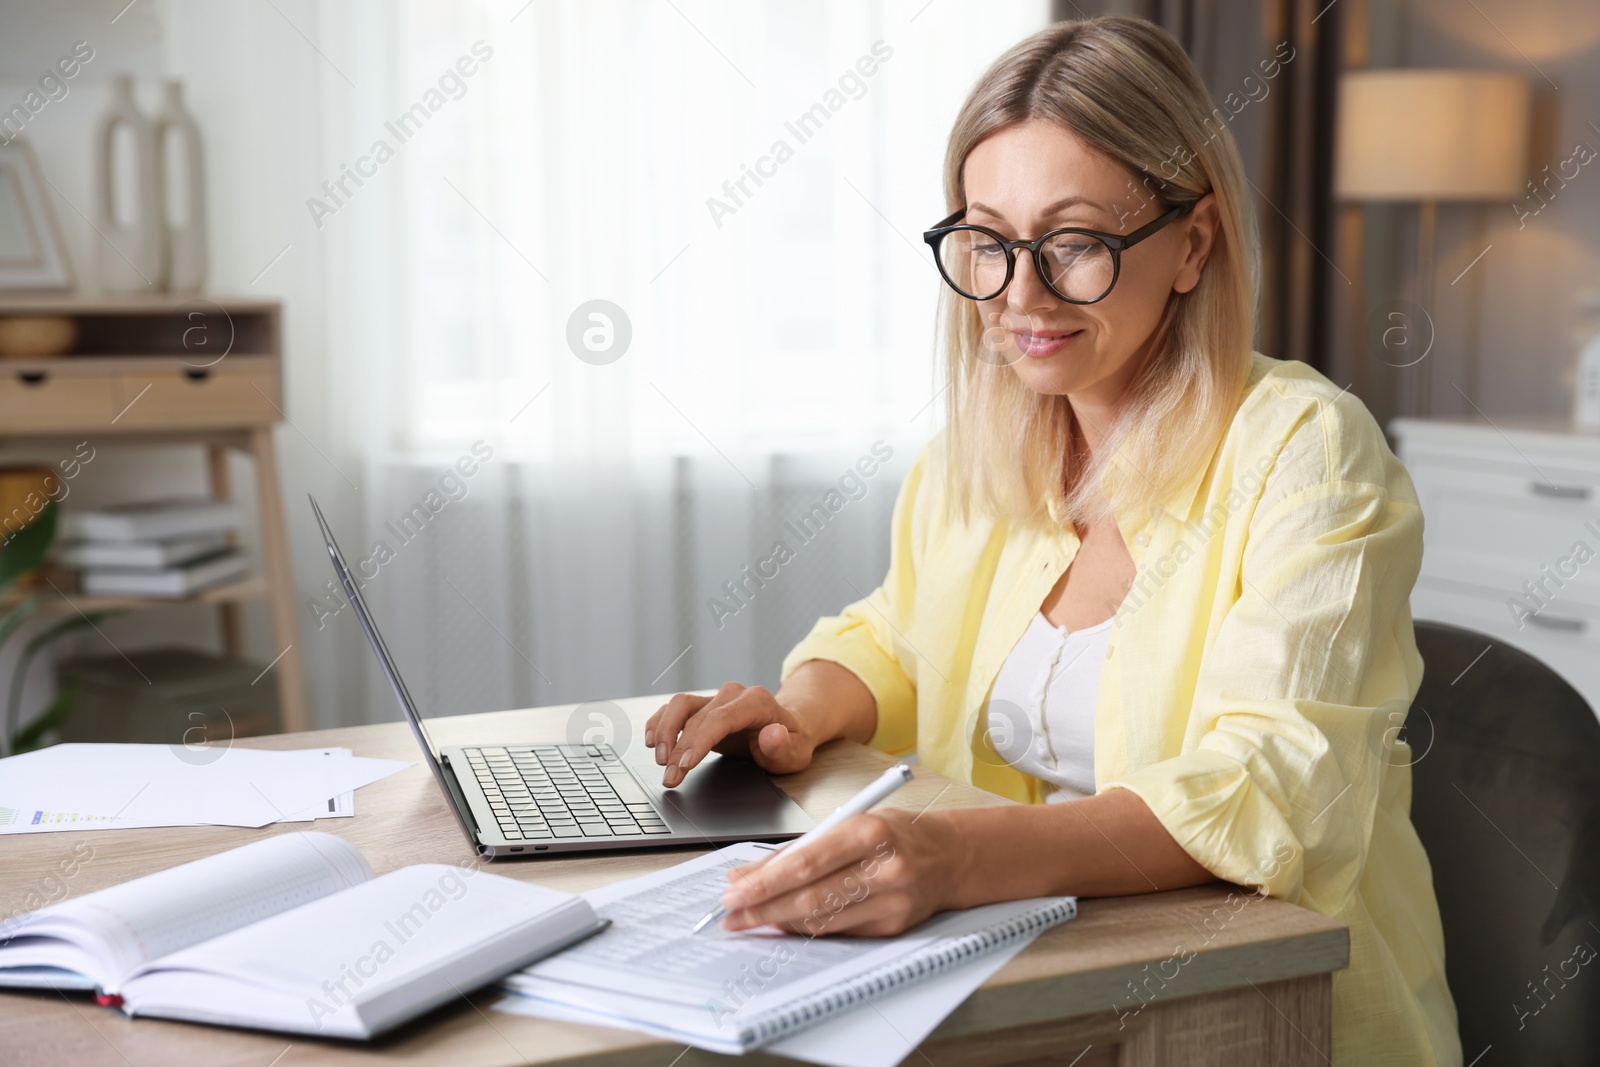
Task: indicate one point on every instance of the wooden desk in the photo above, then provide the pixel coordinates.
(1256, 989)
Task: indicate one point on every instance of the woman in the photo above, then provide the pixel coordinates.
(1146, 580)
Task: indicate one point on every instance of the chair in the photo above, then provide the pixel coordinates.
(1506, 798)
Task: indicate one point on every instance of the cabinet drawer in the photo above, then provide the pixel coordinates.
(40, 401)
(1500, 528)
(1565, 635)
(186, 398)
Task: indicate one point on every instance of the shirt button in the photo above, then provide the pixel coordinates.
(1141, 538)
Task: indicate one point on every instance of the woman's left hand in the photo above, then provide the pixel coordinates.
(873, 875)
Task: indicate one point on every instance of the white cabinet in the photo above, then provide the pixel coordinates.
(1511, 536)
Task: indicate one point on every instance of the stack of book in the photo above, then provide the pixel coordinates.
(161, 548)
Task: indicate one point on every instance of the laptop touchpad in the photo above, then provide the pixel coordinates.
(725, 796)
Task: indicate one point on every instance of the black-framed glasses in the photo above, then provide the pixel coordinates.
(1080, 266)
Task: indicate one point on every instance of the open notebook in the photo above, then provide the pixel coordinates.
(735, 992)
(292, 933)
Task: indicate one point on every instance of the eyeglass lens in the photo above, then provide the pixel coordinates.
(1078, 266)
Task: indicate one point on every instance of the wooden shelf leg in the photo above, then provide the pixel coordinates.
(229, 616)
(280, 583)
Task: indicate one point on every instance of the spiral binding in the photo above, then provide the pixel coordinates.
(935, 959)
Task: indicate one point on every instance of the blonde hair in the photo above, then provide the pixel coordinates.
(1127, 89)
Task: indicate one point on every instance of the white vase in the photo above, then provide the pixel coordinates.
(178, 149)
(132, 255)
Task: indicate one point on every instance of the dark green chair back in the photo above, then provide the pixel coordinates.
(1506, 798)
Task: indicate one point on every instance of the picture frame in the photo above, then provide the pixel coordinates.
(32, 254)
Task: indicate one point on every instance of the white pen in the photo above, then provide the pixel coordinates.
(871, 796)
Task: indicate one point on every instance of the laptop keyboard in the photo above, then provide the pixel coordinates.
(549, 792)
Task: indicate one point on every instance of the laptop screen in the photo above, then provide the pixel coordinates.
(375, 639)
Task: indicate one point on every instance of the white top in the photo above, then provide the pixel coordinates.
(1040, 713)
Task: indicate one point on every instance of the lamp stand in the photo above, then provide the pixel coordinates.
(1420, 384)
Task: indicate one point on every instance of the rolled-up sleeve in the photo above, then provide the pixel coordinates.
(1292, 735)
(865, 637)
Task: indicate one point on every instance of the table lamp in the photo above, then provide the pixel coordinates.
(1427, 136)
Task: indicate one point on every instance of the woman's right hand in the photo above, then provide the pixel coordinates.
(739, 720)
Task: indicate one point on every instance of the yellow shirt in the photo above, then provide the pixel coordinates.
(1256, 676)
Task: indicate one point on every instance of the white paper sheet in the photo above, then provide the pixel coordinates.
(342, 806)
(104, 786)
(889, 1029)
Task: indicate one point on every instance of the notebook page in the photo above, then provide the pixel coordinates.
(147, 918)
(883, 1037)
(405, 920)
(407, 934)
(720, 990)
(648, 950)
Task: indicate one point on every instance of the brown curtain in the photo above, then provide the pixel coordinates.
(1285, 137)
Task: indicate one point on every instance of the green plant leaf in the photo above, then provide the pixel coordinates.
(28, 738)
(69, 625)
(24, 550)
(35, 645)
(11, 620)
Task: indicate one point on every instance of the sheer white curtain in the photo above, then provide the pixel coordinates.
(744, 185)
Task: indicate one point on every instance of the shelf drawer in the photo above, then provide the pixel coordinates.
(1565, 635)
(39, 401)
(145, 395)
(189, 398)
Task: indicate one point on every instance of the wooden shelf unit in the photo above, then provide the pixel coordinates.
(234, 592)
(205, 371)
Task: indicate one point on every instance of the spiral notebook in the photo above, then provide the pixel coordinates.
(736, 992)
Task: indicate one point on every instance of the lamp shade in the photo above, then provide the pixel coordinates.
(1431, 135)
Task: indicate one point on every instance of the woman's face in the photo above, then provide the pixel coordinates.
(1025, 179)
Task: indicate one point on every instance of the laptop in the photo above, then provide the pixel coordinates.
(537, 799)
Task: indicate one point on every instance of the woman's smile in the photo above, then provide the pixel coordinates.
(1041, 344)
